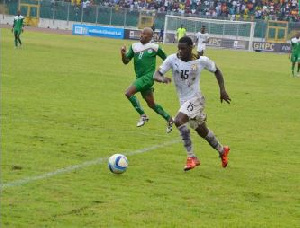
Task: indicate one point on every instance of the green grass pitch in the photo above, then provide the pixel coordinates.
(63, 112)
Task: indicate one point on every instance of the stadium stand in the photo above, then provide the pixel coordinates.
(282, 10)
(286, 10)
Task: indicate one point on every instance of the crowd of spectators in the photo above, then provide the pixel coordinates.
(283, 10)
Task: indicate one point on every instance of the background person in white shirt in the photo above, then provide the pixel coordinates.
(186, 68)
(202, 39)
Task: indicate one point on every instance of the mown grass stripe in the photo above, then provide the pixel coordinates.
(81, 166)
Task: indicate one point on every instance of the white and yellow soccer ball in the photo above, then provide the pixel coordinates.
(118, 163)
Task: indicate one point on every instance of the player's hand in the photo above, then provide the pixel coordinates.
(22, 30)
(224, 96)
(167, 80)
(123, 49)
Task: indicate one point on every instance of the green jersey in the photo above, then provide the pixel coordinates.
(18, 23)
(180, 33)
(145, 57)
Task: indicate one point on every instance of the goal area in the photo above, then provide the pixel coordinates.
(222, 33)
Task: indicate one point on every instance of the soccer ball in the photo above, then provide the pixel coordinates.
(117, 163)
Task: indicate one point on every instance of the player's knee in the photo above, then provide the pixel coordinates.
(200, 128)
(198, 122)
(157, 108)
(178, 122)
(127, 95)
(202, 131)
(151, 105)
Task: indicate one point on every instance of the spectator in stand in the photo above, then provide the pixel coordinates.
(234, 9)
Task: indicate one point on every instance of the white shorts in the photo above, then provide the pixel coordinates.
(201, 47)
(194, 109)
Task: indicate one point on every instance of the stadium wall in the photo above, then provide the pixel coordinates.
(43, 22)
(134, 33)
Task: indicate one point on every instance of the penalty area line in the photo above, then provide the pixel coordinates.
(80, 166)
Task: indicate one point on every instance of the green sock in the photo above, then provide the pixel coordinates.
(159, 110)
(16, 42)
(136, 104)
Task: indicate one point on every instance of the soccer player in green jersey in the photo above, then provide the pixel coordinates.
(295, 53)
(144, 54)
(18, 28)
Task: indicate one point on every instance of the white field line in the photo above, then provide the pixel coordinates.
(80, 166)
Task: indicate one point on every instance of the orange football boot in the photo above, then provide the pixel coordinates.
(191, 163)
(224, 156)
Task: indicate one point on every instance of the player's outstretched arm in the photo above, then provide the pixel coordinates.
(223, 94)
(159, 77)
(161, 53)
(123, 55)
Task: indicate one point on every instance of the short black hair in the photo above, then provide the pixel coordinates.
(187, 40)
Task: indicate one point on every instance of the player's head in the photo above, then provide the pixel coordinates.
(202, 29)
(19, 12)
(185, 46)
(146, 35)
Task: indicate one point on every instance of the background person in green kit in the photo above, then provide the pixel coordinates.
(295, 53)
(18, 28)
(144, 54)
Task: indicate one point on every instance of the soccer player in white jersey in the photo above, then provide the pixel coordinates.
(202, 38)
(186, 68)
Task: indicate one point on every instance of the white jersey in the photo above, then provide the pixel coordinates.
(202, 38)
(295, 40)
(186, 75)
